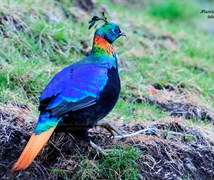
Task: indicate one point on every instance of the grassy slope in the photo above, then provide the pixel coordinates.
(186, 60)
(38, 40)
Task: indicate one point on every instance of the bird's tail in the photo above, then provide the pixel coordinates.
(33, 147)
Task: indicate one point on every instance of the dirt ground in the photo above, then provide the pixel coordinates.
(168, 150)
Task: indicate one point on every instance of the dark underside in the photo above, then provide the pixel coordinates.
(85, 118)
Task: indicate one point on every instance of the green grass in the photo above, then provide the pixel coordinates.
(135, 112)
(119, 164)
(49, 46)
(173, 10)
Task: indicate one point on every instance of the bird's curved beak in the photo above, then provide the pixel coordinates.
(122, 34)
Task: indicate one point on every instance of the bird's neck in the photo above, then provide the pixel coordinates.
(102, 47)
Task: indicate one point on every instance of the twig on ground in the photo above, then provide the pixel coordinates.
(152, 131)
(98, 148)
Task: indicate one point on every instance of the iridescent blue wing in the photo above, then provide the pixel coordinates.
(74, 88)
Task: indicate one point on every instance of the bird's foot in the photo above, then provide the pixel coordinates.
(110, 128)
(99, 149)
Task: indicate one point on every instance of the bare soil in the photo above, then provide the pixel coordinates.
(168, 151)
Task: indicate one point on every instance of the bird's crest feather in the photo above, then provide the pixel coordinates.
(95, 19)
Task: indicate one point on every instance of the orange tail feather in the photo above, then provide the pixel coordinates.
(33, 147)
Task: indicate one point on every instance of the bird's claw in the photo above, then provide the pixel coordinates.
(110, 128)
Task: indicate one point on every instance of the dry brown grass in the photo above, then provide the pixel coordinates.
(169, 150)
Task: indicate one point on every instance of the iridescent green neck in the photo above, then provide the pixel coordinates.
(101, 47)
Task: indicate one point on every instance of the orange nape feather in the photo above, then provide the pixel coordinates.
(33, 147)
(103, 44)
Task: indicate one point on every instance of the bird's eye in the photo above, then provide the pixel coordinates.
(117, 30)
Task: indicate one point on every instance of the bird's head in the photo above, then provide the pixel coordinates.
(108, 31)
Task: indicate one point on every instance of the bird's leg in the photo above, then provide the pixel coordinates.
(98, 148)
(109, 127)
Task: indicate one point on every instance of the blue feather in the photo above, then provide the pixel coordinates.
(79, 85)
(45, 122)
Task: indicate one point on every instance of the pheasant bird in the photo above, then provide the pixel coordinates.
(80, 95)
